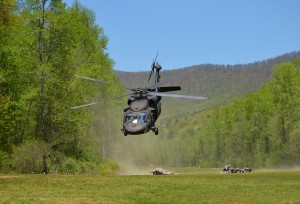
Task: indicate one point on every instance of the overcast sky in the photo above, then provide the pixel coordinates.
(192, 32)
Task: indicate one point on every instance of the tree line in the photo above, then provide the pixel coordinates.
(260, 130)
(43, 44)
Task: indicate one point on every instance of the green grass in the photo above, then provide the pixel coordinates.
(205, 187)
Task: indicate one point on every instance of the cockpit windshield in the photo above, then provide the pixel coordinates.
(136, 117)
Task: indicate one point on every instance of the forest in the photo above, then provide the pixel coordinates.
(43, 44)
(261, 129)
(250, 119)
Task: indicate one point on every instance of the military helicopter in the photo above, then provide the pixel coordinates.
(144, 104)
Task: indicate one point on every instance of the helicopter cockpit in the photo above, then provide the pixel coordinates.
(140, 117)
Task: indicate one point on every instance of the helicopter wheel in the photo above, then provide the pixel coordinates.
(125, 133)
(156, 131)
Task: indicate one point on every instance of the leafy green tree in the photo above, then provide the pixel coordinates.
(286, 87)
(44, 45)
(8, 76)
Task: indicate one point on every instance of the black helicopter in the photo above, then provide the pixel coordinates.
(144, 104)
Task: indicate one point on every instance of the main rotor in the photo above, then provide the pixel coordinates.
(154, 90)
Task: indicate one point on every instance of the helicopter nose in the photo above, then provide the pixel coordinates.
(134, 128)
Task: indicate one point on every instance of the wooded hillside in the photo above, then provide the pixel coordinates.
(213, 80)
(221, 83)
(260, 130)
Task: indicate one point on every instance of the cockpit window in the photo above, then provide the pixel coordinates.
(141, 117)
(128, 117)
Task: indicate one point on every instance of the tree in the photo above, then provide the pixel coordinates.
(43, 48)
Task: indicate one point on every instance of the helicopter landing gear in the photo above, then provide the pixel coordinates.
(155, 130)
(125, 133)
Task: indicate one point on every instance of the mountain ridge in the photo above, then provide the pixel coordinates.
(285, 55)
(221, 83)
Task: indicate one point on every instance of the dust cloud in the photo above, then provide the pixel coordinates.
(280, 168)
(135, 154)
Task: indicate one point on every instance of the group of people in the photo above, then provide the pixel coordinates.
(228, 169)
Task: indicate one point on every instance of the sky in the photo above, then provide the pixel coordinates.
(193, 32)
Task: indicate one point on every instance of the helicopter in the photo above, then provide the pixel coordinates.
(144, 104)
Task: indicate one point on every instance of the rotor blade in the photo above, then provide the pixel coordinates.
(101, 81)
(88, 104)
(176, 95)
(151, 73)
(156, 57)
(168, 88)
(93, 103)
(153, 66)
(163, 88)
(92, 79)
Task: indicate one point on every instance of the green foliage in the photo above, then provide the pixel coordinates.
(5, 162)
(109, 168)
(30, 157)
(256, 130)
(43, 45)
(69, 166)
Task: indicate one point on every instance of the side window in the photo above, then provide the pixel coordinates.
(145, 118)
(128, 117)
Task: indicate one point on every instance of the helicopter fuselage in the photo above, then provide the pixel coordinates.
(141, 114)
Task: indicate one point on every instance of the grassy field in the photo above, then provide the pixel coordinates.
(201, 187)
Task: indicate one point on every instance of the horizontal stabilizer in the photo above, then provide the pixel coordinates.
(168, 88)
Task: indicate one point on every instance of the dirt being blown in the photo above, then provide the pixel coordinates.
(135, 154)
